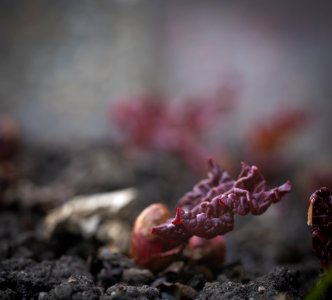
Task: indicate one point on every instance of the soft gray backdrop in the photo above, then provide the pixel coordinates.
(62, 63)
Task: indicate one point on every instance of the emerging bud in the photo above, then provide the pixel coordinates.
(148, 249)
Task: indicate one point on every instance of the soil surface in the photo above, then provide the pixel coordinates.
(267, 257)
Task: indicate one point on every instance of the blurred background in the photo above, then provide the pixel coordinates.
(63, 64)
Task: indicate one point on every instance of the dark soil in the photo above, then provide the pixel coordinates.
(268, 257)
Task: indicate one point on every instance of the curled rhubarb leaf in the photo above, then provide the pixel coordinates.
(208, 210)
(320, 220)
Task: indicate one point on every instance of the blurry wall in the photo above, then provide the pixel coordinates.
(63, 62)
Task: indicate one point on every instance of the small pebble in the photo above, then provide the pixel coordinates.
(137, 276)
(261, 289)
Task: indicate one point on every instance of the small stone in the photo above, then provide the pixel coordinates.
(83, 214)
(261, 289)
(42, 296)
(185, 291)
(63, 291)
(137, 276)
(117, 235)
(282, 296)
(120, 291)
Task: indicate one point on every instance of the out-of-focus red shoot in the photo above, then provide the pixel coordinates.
(10, 142)
(211, 252)
(270, 134)
(152, 122)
